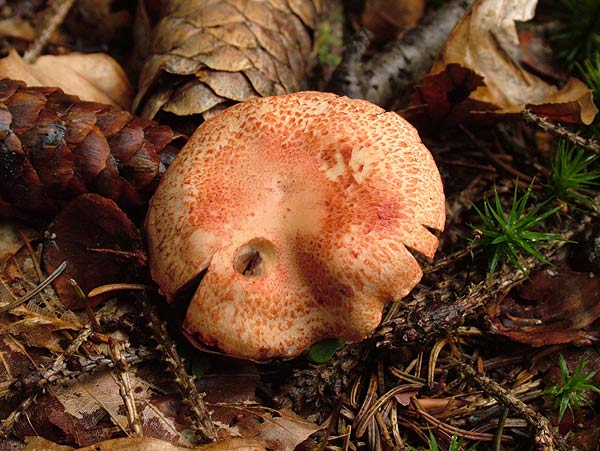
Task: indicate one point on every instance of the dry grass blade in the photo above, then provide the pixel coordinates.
(26, 297)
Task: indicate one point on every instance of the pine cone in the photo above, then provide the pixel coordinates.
(206, 55)
(56, 147)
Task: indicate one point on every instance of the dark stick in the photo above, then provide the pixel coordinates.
(401, 64)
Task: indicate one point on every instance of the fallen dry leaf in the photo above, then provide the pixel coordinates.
(10, 240)
(142, 444)
(386, 19)
(283, 432)
(478, 72)
(93, 77)
(37, 443)
(554, 307)
(37, 330)
(100, 22)
(100, 244)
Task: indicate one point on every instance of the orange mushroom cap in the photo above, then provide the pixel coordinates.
(298, 210)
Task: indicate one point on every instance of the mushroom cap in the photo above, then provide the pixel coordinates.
(295, 214)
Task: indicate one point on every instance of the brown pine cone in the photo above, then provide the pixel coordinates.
(56, 147)
(205, 55)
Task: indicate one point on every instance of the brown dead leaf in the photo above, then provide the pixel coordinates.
(387, 18)
(483, 51)
(100, 243)
(90, 409)
(283, 432)
(143, 444)
(99, 22)
(36, 330)
(10, 240)
(554, 307)
(93, 77)
(537, 54)
(37, 443)
(16, 29)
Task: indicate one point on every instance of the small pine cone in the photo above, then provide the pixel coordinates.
(207, 55)
(56, 147)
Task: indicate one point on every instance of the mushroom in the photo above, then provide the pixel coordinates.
(295, 216)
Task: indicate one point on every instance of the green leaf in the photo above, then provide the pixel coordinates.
(323, 350)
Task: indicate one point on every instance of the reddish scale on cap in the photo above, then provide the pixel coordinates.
(300, 208)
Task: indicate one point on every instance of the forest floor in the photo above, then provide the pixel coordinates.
(496, 347)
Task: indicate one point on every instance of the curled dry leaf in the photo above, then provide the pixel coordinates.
(100, 244)
(386, 19)
(205, 55)
(478, 71)
(92, 77)
(99, 22)
(10, 240)
(56, 147)
(284, 432)
(555, 307)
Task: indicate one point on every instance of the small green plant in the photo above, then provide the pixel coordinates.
(571, 177)
(590, 71)
(510, 235)
(579, 36)
(456, 444)
(328, 41)
(572, 393)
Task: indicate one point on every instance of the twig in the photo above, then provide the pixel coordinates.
(121, 369)
(86, 302)
(452, 258)
(389, 73)
(492, 156)
(500, 430)
(61, 9)
(191, 397)
(546, 438)
(9, 422)
(65, 369)
(59, 373)
(57, 272)
(561, 132)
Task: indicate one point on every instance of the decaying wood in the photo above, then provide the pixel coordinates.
(389, 73)
(56, 147)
